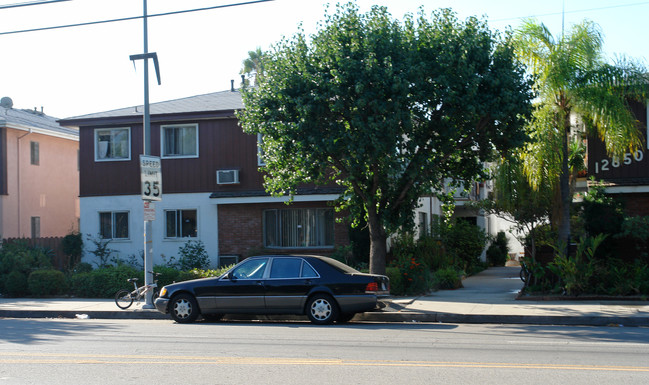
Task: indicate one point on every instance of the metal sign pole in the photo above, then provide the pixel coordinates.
(148, 225)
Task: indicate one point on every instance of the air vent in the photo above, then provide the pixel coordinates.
(227, 176)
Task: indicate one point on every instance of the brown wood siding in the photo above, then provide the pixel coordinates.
(631, 166)
(108, 178)
(3, 161)
(222, 145)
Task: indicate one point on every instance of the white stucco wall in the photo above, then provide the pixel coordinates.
(206, 218)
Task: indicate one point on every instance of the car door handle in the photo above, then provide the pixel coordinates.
(260, 283)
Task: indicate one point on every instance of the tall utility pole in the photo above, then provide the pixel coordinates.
(149, 166)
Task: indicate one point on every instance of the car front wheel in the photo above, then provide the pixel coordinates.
(322, 309)
(184, 308)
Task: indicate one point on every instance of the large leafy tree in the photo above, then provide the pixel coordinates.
(388, 110)
(574, 80)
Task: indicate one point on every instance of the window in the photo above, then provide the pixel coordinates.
(35, 153)
(423, 224)
(251, 269)
(112, 144)
(181, 224)
(299, 228)
(179, 141)
(285, 268)
(36, 227)
(260, 151)
(113, 225)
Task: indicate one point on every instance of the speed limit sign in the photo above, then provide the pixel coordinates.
(151, 177)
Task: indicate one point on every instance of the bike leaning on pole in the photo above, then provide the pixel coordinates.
(124, 298)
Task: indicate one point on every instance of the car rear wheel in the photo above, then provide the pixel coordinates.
(322, 309)
(184, 308)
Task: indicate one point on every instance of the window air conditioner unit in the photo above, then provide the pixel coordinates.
(227, 176)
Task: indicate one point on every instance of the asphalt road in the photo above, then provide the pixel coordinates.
(63, 351)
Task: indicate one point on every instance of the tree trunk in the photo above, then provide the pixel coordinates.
(378, 240)
(564, 184)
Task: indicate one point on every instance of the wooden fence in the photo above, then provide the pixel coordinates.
(60, 261)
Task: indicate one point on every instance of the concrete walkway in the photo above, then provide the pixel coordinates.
(488, 297)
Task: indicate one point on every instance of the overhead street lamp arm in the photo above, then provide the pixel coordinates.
(146, 56)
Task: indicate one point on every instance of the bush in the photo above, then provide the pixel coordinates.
(73, 247)
(17, 261)
(396, 281)
(447, 279)
(104, 282)
(498, 250)
(193, 256)
(15, 284)
(465, 242)
(46, 282)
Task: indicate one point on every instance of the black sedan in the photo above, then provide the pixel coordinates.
(322, 288)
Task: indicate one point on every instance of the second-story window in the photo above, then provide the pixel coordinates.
(179, 141)
(112, 144)
(35, 153)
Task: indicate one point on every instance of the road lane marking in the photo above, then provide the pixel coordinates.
(132, 359)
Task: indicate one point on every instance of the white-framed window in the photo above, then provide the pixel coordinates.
(260, 151)
(303, 228)
(181, 224)
(179, 141)
(113, 224)
(112, 144)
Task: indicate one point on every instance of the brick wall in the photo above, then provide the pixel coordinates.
(241, 230)
(635, 204)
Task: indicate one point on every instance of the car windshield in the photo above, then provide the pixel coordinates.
(340, 266)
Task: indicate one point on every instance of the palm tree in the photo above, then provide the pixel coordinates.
(573, 79)
(253, 66)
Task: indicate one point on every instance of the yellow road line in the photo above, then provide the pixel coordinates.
(132, 359)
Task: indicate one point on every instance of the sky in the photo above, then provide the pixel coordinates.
(75, 71)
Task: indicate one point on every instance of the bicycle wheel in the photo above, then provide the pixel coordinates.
(123, 299)
(156, 293)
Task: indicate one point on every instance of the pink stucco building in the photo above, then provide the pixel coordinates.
(39, 174)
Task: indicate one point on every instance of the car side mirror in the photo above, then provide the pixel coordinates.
(231, 276)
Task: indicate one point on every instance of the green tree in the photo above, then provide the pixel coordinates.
(573, 79)
(389, 110)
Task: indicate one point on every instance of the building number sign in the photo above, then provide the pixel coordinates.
(151, 177)
(615, 162)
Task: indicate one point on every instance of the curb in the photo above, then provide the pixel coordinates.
(381, 317)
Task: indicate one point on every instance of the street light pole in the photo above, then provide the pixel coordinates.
(148, 225)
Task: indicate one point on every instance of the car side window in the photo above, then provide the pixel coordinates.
(308, 271)
(251, 269)
(285, 268)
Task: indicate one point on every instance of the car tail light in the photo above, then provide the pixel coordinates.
(372, 287)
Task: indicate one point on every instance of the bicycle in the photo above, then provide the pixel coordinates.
(124, 298)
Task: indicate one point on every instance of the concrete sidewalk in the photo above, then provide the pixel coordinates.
(488, 297)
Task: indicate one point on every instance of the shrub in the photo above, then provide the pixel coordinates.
(498, 250)
(104, 282)
(168, 275)
(102, 252)
(193, 256)
(447, 279)
(17, 261)
(465, 242)
(396, 281)
(46, 282)
(73, 247)
(15, 284)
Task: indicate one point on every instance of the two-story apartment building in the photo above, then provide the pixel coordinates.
(212, 185)
(627, 177)
(39, 178)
